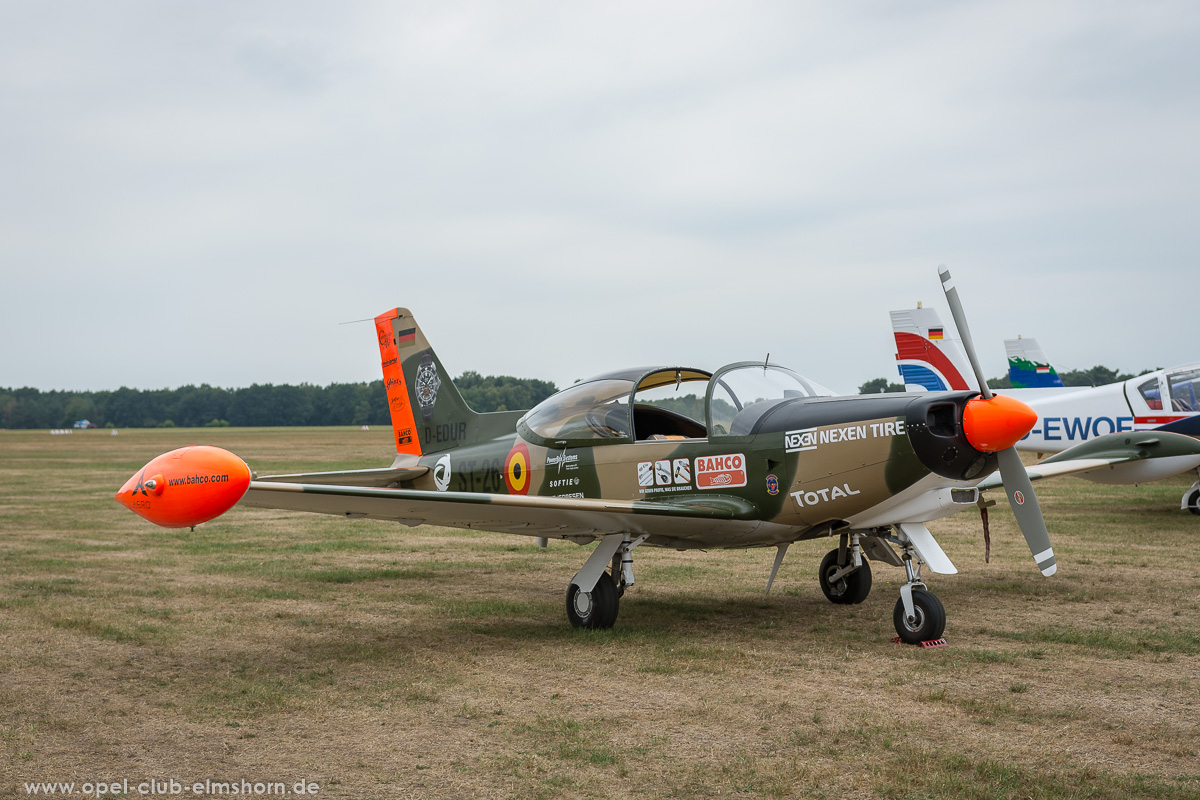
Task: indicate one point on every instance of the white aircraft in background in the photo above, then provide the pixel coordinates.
(1028, 367)
(931, 358)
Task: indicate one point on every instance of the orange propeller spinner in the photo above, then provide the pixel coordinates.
(996, 423)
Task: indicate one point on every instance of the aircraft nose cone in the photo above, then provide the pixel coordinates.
(997, 424)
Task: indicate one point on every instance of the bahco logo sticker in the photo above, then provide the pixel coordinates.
(721, 472)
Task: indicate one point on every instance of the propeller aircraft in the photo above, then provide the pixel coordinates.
(1070, 418)
(1028, 367)
(752, 455)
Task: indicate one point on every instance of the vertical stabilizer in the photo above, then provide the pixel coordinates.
(1028, 367)
(428, 413)
(399, 404)
(929, 354)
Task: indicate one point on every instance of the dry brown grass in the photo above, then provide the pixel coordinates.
(381, 661)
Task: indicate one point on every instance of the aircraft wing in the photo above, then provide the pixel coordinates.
(1039, 471)
(1127, 457)
(689, 521)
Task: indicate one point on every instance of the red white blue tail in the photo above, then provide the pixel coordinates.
(930, 356)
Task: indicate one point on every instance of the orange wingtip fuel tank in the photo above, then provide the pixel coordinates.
(996, 424)
(187, 486)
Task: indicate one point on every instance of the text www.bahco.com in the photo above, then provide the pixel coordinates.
(192, 480)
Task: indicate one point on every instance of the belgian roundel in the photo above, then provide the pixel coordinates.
(516, 470)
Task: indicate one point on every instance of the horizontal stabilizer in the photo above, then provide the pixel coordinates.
(374, 478)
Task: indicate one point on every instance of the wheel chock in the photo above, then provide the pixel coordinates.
(927, 644)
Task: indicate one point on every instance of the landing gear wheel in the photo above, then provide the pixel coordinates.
(849, 589)
(596, 609)
(1193, 502)
(930, 620)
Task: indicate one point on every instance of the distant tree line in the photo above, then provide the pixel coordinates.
(502, 392)
(265, 405)
(1096, 376)
(877, 385)
(257, 405)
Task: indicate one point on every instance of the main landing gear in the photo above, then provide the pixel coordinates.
(597, 608)
(1191, 498)
(844, 575)
(845, 578)
(594, 595)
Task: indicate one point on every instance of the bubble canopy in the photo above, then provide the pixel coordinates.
(663, 403)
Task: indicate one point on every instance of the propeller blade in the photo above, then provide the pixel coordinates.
(1026, 509)
(960, 322)
(1001, 424)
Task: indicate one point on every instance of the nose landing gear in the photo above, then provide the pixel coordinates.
(919, 615)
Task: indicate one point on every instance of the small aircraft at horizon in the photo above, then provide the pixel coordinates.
(751, 455)
(1069, 417)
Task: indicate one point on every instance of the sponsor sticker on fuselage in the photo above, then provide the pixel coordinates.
(805, 499)
(666, 472)
(720, 472)
(441, 473)
(799, 441)
(561, 461)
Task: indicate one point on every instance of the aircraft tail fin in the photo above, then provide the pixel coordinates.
(1028, 367)
(428, 413)
(930, 356)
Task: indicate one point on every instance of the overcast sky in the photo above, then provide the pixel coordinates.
(204, 192)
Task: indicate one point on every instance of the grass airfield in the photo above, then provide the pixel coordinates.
(381, 661)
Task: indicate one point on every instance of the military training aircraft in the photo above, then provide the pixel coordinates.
(1165, 400)
(752, 455)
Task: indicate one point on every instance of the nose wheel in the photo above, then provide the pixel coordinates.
(927, 621)
(919, 615)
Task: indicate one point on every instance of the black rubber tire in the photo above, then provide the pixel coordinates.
(851, 589)
(604, 607)
(1193, 502)
(931, 618)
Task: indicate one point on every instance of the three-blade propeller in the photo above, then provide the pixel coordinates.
(1016, 480)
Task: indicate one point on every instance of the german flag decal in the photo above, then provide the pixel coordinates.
(516, 469)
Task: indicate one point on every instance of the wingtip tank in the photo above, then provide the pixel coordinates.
(186, 487)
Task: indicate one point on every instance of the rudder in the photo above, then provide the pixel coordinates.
(928, 357)
(428, 413)
(1028, 367)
